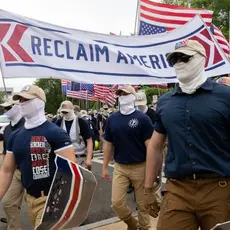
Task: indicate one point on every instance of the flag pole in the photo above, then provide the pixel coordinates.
(4, 85)
(136, 17)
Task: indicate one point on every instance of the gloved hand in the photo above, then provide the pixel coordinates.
(150, 202)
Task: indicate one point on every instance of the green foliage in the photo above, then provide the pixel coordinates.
(53, 90)
(153, 91)
(1, 97)
(220, 10)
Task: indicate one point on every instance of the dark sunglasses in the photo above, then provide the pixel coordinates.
(22, 99)
(179, 58)
(64, 112)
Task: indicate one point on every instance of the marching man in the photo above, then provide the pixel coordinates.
(32, 148)
(13, 198)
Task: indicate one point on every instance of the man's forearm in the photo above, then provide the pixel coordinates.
(153, 165)
(5, 181)
(107, 154)
(89, 149)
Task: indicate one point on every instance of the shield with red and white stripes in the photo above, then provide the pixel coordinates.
(69, 198)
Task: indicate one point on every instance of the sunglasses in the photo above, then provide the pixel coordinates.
(180, 58)
(22, 99)
(64, 112)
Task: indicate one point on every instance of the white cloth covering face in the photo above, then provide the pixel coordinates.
(69, 116)
(34, 113)
(127, 104)
(191, 75)
(14, 115)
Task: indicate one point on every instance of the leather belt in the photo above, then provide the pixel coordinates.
(196, 176)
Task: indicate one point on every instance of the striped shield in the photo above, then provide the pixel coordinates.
(69, 198)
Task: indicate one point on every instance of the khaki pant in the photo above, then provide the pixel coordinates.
(122, 176)
(190, 204)
(35, 208)
(12, 202)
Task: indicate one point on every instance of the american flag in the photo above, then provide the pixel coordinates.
(88, 87)
(82, 94)
(65, 84)
(157, 17)
(105, 94)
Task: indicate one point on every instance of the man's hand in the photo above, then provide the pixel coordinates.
(151, 203)
(105, 175)
(88, 164)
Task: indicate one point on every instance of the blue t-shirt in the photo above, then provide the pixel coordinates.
(128, 134)
(34, 153)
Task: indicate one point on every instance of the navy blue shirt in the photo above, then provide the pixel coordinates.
(8, 130)
(198, 130)
(34, 153)
(128, 134)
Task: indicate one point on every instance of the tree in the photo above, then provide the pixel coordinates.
(220, 10)
(2, 96)
(153, 91)
(53, 90)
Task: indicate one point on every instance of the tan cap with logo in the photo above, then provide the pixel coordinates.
(127, 89)
(31, 92)
(188, 47)
(66, 106)
(141, 99)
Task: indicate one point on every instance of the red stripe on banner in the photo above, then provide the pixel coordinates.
(7, 55)
(182, 14)
(74, 198)
(15, 40)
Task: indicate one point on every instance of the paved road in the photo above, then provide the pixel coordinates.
(101, 205)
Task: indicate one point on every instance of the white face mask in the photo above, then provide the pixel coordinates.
(127, 104)
(34, 112)
(14, 114)
(69, 116)
(191, 75)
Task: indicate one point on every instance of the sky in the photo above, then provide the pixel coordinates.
(103, 16)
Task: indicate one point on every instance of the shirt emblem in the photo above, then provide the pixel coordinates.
(133, 123)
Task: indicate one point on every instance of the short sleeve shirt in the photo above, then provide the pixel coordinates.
(34, 151)
(128, 134)
(197, 127)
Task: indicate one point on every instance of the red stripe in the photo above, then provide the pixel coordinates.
(168, 5)
(182, 14)
(168, 21)
(74, 198)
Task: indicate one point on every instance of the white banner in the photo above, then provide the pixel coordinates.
(35, 49)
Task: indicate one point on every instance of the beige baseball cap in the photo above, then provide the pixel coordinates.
(141, 99)
(84, 113)
(31, 92)
(66, 106)
(127, 89)
(9, 102)
(188, 47)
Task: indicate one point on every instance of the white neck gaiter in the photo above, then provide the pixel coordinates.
(14, 115)
(142, 108)
(127, 104)
(34, 113)
(69, 116)
(191, 75)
